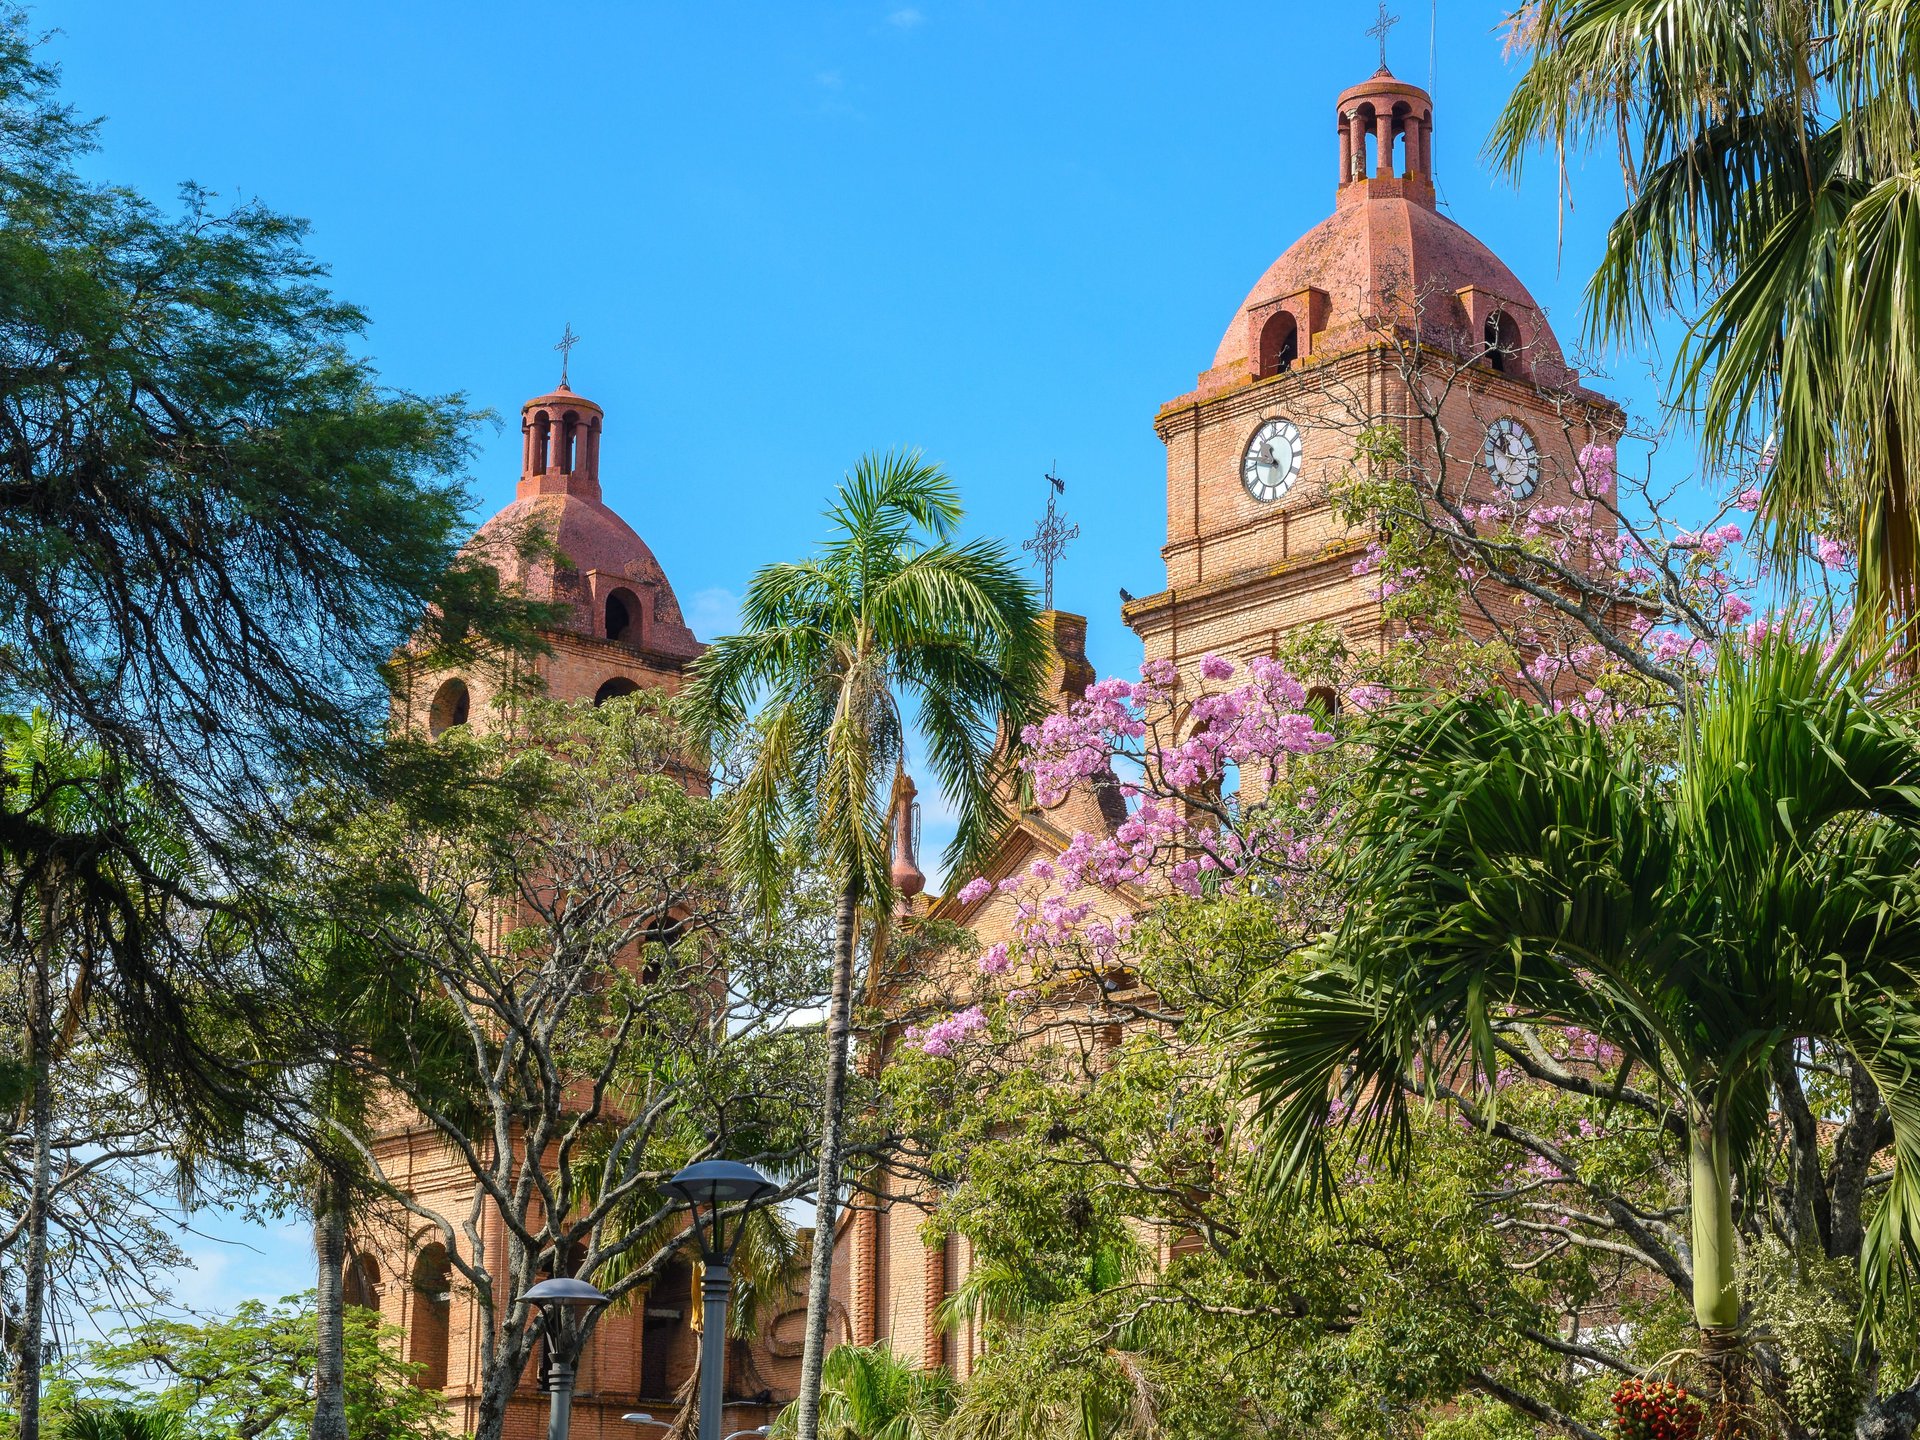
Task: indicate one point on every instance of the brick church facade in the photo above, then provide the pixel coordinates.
(1387, 313)
(1255, 550)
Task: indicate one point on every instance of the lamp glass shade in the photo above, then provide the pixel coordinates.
(565, 1290)
(720, 1182)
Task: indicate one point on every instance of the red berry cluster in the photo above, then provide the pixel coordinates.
(1656, 1410)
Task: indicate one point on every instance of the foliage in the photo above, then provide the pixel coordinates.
(571, 972)
(1528, 1251)
(233, 526)
(120, 1422)
(869, 1393)
(1510, 866)
(245, 1377)
(1772, 199)
(892, 609)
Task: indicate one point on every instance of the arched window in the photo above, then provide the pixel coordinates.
(1323, 702)
(1279, 344)
(542, 436)
(1503, 342)
(569, 434)
(432, 1309)
(616, 687)
(360, 1283)
(623, 616)
(451, 705)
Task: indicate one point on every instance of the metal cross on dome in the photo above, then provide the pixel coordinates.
(567, 341)
(1381, 28)
(1050, 537)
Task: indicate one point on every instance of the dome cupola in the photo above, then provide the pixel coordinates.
(558, 542)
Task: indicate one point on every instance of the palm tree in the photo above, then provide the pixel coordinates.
(891, 607)
(1513, 866)
(1768, 151)
(869, 1393)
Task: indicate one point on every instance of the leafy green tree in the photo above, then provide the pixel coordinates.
(223, 526)
(891, 608)
(869, 1393)
(1509, 866)
(1773, 204)
(579, 1012)
(222, 529)
(95, 892)
(249, 1376)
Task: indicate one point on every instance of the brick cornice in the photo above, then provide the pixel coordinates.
(1243, 587)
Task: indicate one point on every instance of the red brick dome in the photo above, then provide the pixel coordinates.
(1390, 259)
(558, 542)
(1385, 260)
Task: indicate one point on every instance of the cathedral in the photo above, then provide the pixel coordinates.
(1255, 549)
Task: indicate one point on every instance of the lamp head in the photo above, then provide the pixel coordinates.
(714, 1183)
(565, 1293)
(708, 1186)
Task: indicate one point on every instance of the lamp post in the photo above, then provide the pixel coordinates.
(709, 1187)
(567, 1302)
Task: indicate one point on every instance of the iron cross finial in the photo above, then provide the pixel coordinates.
(567, 341)
(1381, 28)
(1050, 537)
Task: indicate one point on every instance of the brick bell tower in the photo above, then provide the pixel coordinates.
(558, 542)
(1317, 353)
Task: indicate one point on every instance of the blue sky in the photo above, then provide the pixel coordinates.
(792, 232)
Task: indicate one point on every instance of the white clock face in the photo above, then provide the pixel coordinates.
(1512, 456)
(1272, 461)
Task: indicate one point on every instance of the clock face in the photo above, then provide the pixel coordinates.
(1272, 461)
(1512, 456)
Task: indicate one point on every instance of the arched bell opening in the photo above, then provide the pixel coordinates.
(452, 706)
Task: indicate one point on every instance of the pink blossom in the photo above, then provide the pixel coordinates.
(939, 1040)
(1596, 469)
(1212, 667)
(994, 960)
(1748, 499)
(975, 889)
(1367, 696)
(1832, 553)
(1734, 610)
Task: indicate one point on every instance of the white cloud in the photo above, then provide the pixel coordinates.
(906, 18)
(234, 1259)
(713, 612)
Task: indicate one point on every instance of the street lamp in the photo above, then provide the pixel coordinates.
(709, 1187)
(566, 1301)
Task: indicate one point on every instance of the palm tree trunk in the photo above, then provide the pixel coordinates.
(1716, 1293)
(330, 1356)
(833, 1100)
(32, 1351)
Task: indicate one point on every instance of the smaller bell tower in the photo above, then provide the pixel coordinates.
(560, 452)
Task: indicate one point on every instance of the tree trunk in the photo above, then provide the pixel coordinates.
(1716, 1296)
(32, 1350)
(833, 1100)
(502, 1377)
(1716, 1291)
(330, 1356)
